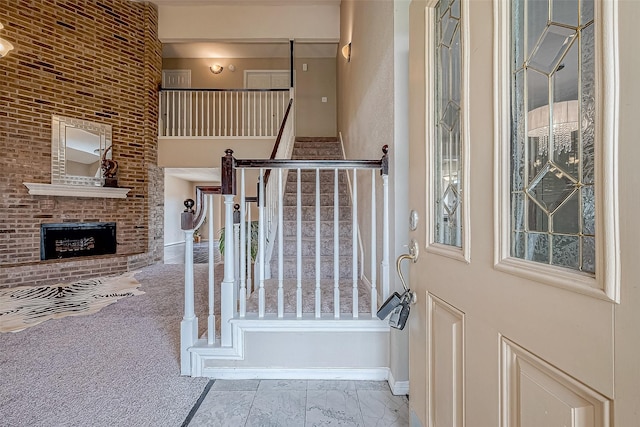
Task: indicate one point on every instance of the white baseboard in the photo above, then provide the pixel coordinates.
(398, 387)
(365, 374)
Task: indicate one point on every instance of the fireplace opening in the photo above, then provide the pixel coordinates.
(69, 240)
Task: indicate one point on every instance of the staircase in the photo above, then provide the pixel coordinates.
(316, 149)
(306, 322)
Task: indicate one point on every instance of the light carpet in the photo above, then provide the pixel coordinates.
(26, 306)
(117, 367)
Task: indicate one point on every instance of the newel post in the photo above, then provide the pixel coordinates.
(189, 323)
(384, 171)
(227, 288)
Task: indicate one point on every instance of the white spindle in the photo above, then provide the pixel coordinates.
(374, 267)
(219, 113)
(336, 247)
(228, 284)
(189, 323)
(385, 236)
(354, 242)
(211, 323)
(318, 307)
(243, 237)
(226, 105)
(298, 247)
(261, 245)
(197, 113)
(260, 114)
(255, 105)
(249, 255)
(271, 100)
(244, 133)
(280, 247)
(209, 114)
(237, 117)
(190, 114)
(170, 113)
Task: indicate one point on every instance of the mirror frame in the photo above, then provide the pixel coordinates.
(59, 124)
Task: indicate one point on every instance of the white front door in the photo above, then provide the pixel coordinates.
(499, 337)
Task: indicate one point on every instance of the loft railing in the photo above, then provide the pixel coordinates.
(228, 113)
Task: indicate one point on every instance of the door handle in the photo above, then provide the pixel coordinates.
(414, 253)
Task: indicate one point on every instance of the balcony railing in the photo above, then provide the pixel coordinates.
(222, 113)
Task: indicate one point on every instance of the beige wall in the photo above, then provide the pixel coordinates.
(313, 117)
(372, 112)
(202, 78)
(251, 21)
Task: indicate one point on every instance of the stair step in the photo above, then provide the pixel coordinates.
(309, 228)
(310, 188)
(309, 268)
(309, 175)
(326, 213)
(308, 247)
(306, 199)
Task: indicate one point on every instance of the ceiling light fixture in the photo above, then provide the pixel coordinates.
(565, 121)
(5, 45)
(346, 51)
(216, 68)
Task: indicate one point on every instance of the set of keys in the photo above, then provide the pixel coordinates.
(398, 305)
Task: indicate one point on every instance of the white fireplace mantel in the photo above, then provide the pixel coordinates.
(39, 189)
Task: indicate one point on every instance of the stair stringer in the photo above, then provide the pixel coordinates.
(298, 348)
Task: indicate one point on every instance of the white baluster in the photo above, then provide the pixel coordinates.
(271, 98)
(374, 267)
(226, 107)
(318, 290)
(190, 115)
(385, 236)
(260, 115)
(237, 117)
(298, 247)
(354, 242)
(261, 245)
(189, 323)
(197, 112)
(280, 247)
(255, 106)
(209, 114)
(244, 133)
(336, 246)
(211, 324)
(250, 286)
(228, 284)
(243, 249)
(219, 113)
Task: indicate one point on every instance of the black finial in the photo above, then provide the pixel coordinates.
(385, 149)
(228, 152)
(189, 203)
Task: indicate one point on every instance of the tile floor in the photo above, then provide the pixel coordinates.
(296, 403)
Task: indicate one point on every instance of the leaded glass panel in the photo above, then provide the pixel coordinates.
(553, 131)
(448, 152)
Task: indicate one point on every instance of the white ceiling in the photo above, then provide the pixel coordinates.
(194, 174)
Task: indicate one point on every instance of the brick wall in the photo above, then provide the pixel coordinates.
(92, 60)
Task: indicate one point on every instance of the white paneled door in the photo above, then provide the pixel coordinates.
(514, 320)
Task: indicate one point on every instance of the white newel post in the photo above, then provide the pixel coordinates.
(228, 283)
(189, 324)
(385, 226)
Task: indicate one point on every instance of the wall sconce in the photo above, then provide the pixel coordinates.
(216, 68)
(5, 46)
(346, 51)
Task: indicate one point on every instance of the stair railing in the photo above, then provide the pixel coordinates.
(280, 166)
(226, 113)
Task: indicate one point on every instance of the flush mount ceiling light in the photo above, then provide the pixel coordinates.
(216, 68)
(346, 51)
(5, 46)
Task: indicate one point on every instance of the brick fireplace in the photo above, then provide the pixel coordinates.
(97, 61)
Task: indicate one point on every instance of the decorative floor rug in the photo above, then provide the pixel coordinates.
(27, 306)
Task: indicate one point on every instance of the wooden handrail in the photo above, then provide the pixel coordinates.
(278, 139)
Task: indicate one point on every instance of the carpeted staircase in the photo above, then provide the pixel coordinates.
(316, 149)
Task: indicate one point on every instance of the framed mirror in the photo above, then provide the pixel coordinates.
(78, 148)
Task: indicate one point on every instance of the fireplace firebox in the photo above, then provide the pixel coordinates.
(68, 240)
